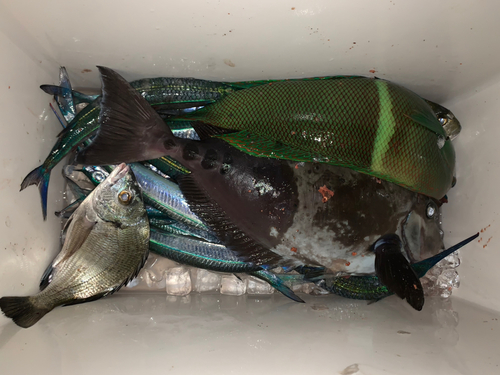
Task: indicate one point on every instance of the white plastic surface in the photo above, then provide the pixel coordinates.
(445, 51)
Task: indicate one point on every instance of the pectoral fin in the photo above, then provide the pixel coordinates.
(395, 272)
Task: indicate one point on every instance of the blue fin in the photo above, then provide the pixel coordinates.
(78, 97)
(277, 284)
(55, 113)
(425, 265)
(39, 177)
(65, 102)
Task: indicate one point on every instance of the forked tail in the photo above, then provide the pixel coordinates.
(130, 129)
(22, 310)
(40, 177)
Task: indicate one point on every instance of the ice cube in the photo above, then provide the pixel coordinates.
(257, 286)
(205, 281)
(133, 283)
(233, 286)
(313, 289)
(178, 281)
(446, 281)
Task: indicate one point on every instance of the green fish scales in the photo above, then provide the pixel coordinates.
(369, 125)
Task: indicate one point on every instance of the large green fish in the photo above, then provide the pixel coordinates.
(370, 125)
(330, 119)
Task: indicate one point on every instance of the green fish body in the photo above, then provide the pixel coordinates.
(370, 125)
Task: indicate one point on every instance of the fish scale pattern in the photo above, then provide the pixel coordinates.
(370, 125)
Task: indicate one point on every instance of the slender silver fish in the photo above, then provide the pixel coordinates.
(106, 245)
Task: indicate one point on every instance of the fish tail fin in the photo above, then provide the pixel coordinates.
(277, 284)
(130, 128)
(59, 91)
(40, 177)
(425, 265)
(22, 310)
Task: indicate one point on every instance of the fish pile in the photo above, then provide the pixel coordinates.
(336, 181)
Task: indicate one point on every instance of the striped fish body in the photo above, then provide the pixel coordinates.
(369, 125)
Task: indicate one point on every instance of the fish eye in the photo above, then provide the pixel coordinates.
(98, 176)
(430, 211)
(443, 120)
(125, 197)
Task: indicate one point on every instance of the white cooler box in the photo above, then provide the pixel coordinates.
(445, 51)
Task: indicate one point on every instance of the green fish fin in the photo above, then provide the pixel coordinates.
(22, 310)
(249, 84)
(277, 284)
(260, 146)
(395, 272)
(216, 219)
(428, 121)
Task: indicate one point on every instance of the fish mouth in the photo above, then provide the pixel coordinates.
(118, 173)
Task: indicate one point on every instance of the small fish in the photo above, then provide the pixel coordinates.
(270, 211)
(106, 245)
(214, 257)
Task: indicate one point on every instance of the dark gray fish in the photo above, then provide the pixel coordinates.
(275, 212)
(106, 245)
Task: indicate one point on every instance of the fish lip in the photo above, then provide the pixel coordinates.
(118, 173)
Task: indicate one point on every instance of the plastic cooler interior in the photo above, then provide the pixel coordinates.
(445, 51)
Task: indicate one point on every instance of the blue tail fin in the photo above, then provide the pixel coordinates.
(78, 97)
(39, 177)
(65, 102)
(277, 284)
(423, 266)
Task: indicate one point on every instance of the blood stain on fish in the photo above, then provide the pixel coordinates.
(354, 253)
(326, 193)
(372, 71)
(348, 264)
(294, 249)
(86, 71)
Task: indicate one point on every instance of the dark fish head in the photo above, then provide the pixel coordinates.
(421, 230)
(447, 119)
(119, 198)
